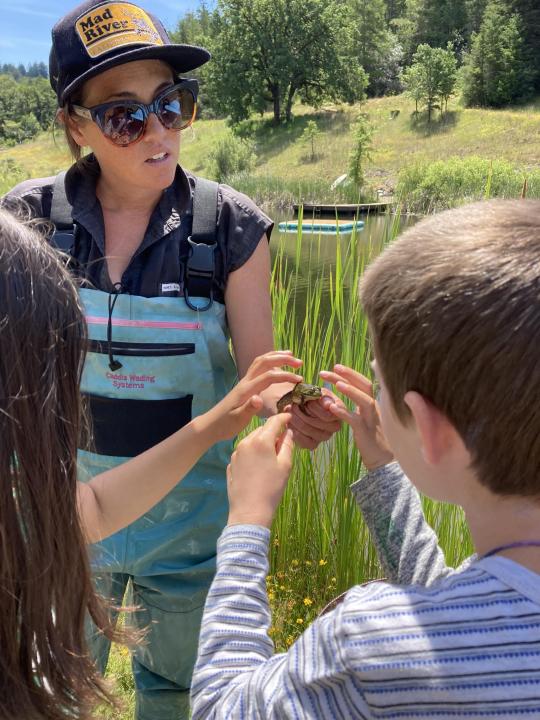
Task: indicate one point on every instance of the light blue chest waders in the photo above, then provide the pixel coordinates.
(182, 368)
(153, 364)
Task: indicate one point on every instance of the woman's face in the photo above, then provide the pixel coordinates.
(149, 163)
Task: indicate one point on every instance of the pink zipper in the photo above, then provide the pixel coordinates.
(163, 324)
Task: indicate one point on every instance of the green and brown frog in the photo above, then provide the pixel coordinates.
(301, 394)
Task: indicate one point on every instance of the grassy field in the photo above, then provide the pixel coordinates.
(512, 135)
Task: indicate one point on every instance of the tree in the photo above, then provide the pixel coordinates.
(272, 51)
(529, 14)
(361, 150)
(310, 135)
(370, 38)
(432, 77)
(198, 28)
(495, 73)
(438, 22)
(447, 75)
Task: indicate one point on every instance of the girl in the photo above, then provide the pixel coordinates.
(46, 516)
(172, 267)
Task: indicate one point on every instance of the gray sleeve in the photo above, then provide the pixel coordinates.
(407, 547)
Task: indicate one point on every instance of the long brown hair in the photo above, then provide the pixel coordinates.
(45, 588)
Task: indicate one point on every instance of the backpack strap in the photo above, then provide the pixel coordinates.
(200, 265)
(63, 237)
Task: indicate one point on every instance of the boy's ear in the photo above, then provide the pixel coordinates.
(438, 437)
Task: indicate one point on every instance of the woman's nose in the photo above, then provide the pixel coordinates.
(153, 127)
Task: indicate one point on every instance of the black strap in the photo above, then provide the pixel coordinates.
(200, 264)
(63, 237)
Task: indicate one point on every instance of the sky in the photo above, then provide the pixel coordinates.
(25, 30)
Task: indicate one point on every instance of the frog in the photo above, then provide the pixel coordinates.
(301, 394)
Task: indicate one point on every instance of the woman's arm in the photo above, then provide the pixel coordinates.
(249, 314)
(115, 498)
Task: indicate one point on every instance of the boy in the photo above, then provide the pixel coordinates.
(454, 312)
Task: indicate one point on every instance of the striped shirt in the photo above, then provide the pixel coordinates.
(464, 645)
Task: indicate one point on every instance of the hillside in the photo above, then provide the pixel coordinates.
(512, 135)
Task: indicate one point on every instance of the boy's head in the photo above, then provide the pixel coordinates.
(454, 311)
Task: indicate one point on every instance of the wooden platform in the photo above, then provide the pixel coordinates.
(311, 209)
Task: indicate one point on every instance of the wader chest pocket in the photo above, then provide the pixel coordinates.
(123, 427)
(141, 349)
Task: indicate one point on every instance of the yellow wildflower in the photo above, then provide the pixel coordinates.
(323, 562)
(294, 562)
(300, 621)
(271, 596)
(308, 601)
(308, 562)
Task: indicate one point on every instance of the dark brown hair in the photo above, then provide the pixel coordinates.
(454, 310)
(45, 587)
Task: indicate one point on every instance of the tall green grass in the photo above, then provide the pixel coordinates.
(321, 545)
(430, 186)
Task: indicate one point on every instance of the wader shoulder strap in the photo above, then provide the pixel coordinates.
(200, 264)
(64, 230)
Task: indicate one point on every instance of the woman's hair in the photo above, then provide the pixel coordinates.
(45, 588)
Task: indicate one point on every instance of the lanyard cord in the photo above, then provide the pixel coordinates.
(113, 297)
(510, 546)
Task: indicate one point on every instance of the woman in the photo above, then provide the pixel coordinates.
(171, 269)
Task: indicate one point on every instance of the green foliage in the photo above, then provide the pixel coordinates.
(232, 155)
(435, 23)
(371, 40)
(427, 187)
(11, 173)
(529, 14)
(431, 79)
(310, 135)
(494, 73)
(27, 106)
(199, 27)
(269, 52)
(361, 150)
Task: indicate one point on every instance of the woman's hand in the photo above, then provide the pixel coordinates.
(317, 424)
(234, 412)
(365, 419)
(258, 472)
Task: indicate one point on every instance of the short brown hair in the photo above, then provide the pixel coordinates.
(454, 311)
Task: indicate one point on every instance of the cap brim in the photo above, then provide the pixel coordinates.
(182, 59)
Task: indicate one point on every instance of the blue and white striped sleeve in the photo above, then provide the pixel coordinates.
(236, 675)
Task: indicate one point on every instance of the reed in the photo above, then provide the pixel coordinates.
(320, 544)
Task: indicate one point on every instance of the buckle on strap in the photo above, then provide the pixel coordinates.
(199, 270)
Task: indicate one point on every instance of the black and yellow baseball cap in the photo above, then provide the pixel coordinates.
(96, 36)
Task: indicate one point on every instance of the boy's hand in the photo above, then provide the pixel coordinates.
(364, 420)
(233, 413)
(316, 425)
(258, 472)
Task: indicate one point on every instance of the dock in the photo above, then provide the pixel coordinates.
(315, 209)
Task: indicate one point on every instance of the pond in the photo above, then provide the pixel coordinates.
(313, 255)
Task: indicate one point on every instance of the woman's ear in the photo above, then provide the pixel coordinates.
(73, 127)
(436, 434)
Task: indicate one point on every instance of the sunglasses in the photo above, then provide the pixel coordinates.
(124, 121)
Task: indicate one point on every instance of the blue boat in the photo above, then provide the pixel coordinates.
(328, 227)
